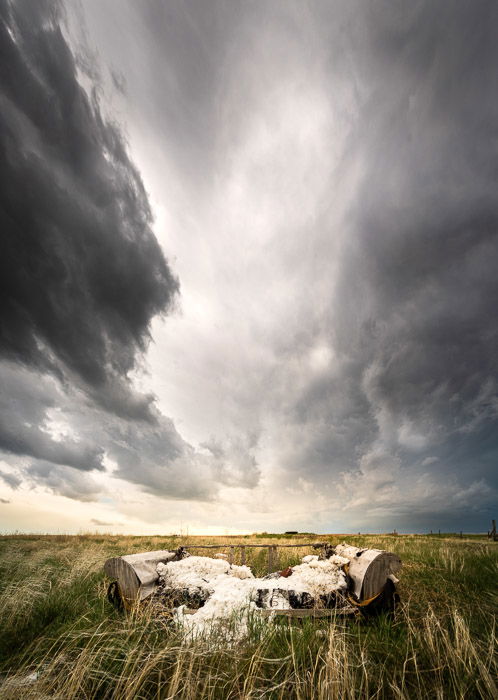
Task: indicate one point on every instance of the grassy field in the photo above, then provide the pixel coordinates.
(59, 637)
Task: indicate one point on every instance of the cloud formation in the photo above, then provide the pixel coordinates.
(63, 480)
(82, 276)
(82, 273)
(325, 176)
(417, 272)
(353, 212)
(25, 402)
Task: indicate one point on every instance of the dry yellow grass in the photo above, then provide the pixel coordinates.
(57, 624)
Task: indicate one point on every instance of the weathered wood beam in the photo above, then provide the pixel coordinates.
(295, 612)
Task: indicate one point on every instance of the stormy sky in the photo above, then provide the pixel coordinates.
(249, 269)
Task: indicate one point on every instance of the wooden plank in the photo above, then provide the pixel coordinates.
(271, 558)
(311, 612)
(295, 612)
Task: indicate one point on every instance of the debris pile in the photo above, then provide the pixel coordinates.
(198, 591)
(218, 590)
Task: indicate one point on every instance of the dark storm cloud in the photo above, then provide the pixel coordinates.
(81, 271)
(82, 274)
(408, 409)
(342, 160)
(415, 306)
(427, 217)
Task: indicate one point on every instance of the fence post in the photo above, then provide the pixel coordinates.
(243, 555)
(271, 557)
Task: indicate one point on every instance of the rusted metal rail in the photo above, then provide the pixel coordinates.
(315, 545)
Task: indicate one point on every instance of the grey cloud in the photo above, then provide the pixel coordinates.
(25, 401)
(393, 266)
(103, 523)
(158, 459)
(414, 307)
(233, 462)
(4, 500)
(426, 244)
(176, 71)
(82, 273)
(64, 481)
(411, 317)
(67, 437)
(10, 479)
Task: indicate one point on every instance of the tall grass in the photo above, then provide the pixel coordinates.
(59, 638)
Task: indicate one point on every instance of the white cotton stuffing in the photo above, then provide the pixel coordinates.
(234, 590)
(347, 550)
(240, 572)
(309, 557)
(316, 577)
(196, 574)
(176, 573)
(230, 596)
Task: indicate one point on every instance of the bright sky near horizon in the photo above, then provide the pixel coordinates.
(249, 270)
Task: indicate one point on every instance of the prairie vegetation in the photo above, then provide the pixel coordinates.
(60, 638)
